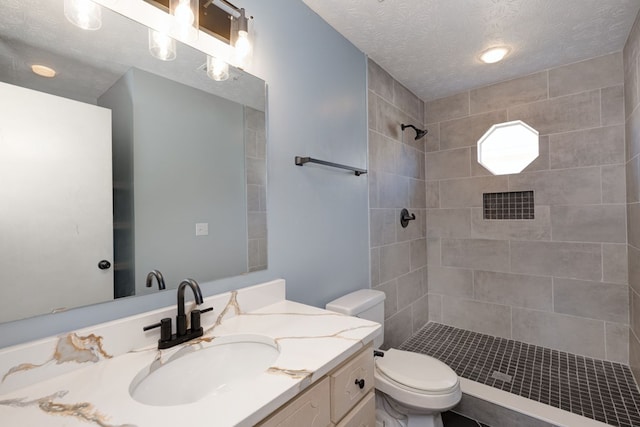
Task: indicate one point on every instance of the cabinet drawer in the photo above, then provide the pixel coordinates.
(345, 392)
(363, 415)
(310, 409)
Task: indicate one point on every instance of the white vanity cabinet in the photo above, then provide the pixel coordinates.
(336, 400)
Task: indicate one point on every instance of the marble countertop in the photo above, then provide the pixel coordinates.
(311, 342)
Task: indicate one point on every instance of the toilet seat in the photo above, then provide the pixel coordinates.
(417, 372)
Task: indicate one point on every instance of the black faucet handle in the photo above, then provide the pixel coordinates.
(195, 317)
(165, 328)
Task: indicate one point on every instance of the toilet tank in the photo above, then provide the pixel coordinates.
(366, 303)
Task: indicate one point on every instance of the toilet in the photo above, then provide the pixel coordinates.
(411, 389)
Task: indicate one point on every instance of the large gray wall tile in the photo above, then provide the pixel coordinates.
(612, 105)
(379, 81)
(567, 333)
(558, 259)
(418, 253)
(513, 289)
(388, 119)
(492, 319)
(448, 108)
(538, 228)
(617, 342)
(465, 132)
(397, 328)
(633, 134)
(393, 191)
(578, 186)
(483, 254)
(420, 313)
(449, 223)
(594, 300)
(390, 290)
(382, 226)
(599, 146)
(592, 223)
(395, 260)
(613, 184)
(408, 102)
(409, 288)
(434, 254)
(432, 140)
(417, 194)
(467, 192)
(614, 263)
(435, 308)
(595, 73)
(633, 224)
(432, 194)
(448, 164)
(634, 268)
(562, 114)
(632, 180)
(450, 281)
(506, 94)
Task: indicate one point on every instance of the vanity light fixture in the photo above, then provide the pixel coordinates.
(242, 43)
(185, 15)
(239, 31)
(161, 46)
(217, 69)
(494, 54)
(83, 13)
(43, 71)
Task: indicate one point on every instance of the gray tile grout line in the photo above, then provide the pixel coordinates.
(463, 350)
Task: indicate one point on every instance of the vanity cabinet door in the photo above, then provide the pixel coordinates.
(363, 415)
(350, 383)
(310, 409)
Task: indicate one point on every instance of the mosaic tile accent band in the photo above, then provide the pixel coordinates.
(510, 205)
(597, 389)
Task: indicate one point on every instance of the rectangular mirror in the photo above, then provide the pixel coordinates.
(120, 164)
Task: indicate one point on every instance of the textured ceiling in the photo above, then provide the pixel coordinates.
(432, 46)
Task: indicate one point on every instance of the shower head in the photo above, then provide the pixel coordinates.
(419, 132)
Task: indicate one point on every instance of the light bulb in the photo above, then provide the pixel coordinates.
(161, 46)
(493, 55)
(217, 69)
(185, 17)
(243, 48)
(83, 13)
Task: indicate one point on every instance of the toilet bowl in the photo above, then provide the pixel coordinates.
(417, 386)
(411, 389)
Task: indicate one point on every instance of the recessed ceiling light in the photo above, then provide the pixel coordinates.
(494, 54)
(43, 71)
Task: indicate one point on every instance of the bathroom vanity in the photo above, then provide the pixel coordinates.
(262, 360)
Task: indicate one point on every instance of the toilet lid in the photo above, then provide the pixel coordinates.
(417, 371)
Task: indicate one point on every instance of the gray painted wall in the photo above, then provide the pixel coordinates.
(318, 221)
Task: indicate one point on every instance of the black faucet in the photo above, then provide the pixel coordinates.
(167, 338)
(159, 278)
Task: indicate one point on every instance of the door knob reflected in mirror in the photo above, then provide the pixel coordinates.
(104, 265)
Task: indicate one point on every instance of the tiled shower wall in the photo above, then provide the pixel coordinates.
(559, 280)
(256, 174)
(396, 181)
(632, 109)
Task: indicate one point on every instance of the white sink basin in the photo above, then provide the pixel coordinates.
(228, 364)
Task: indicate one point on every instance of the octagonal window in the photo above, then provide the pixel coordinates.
(508, 147)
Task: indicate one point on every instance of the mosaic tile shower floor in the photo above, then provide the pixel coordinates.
(597, 389)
